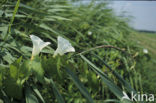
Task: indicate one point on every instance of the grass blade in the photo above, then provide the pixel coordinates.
(38, 94)
(116, 90)
(12, 19)
(80, 86)
(30, 98)
(127, 85)
(56, 92)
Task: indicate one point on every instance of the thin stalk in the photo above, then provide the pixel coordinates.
(102, 46)
(12, 20)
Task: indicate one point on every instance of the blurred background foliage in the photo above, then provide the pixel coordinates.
(93, 75)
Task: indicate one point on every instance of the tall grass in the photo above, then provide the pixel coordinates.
(99, 75)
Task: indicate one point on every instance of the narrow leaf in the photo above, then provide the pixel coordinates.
(38, 94)
(115, 89)
(30, 98)
(80, 86)
(56, 92)
(125, 83)
(12, 19)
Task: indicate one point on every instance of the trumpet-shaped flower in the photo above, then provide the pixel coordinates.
(63, 46)
(38, 45)
(145, 51)
(89, 33)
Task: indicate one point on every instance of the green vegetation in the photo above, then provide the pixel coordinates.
(147, 65)
(106, 62)
(146, 40)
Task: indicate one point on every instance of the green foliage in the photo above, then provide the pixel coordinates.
(93, 76)
(146, 61)
(30, 97)
(80, 86)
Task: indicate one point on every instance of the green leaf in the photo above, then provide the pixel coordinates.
(1, 79)
(13, 88)
(80, 86)
(59, 18)
(108, 101)
(38, 94)
(56, 92)
(30, 97)
(12, 19)
(31, 9)
(115, 89)
(37, 69)
(1, 101)
(59, 66)
(14, 72)
(4, 30)
(15, 69)
(25, 70)
(121, 80)
(9, 58)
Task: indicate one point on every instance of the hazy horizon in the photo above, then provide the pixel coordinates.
(143, 13)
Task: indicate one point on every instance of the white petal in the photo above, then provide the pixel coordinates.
(36, 40)
(145, 51)
(35, 51)
(44, 44)
(64, 46)
(89, 33)
(38, 44)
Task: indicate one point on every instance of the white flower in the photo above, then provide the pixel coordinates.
(63, 46)
(145, 51)
(38, 45)
(89, 33)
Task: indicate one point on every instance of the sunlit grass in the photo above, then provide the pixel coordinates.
(147, 41)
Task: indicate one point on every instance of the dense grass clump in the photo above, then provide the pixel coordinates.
(103, 66)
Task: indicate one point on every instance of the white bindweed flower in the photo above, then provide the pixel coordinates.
(89, 33)
(145, 51)
(38, 45)
(63, 46)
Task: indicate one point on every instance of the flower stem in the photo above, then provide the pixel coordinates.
(32, 57)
